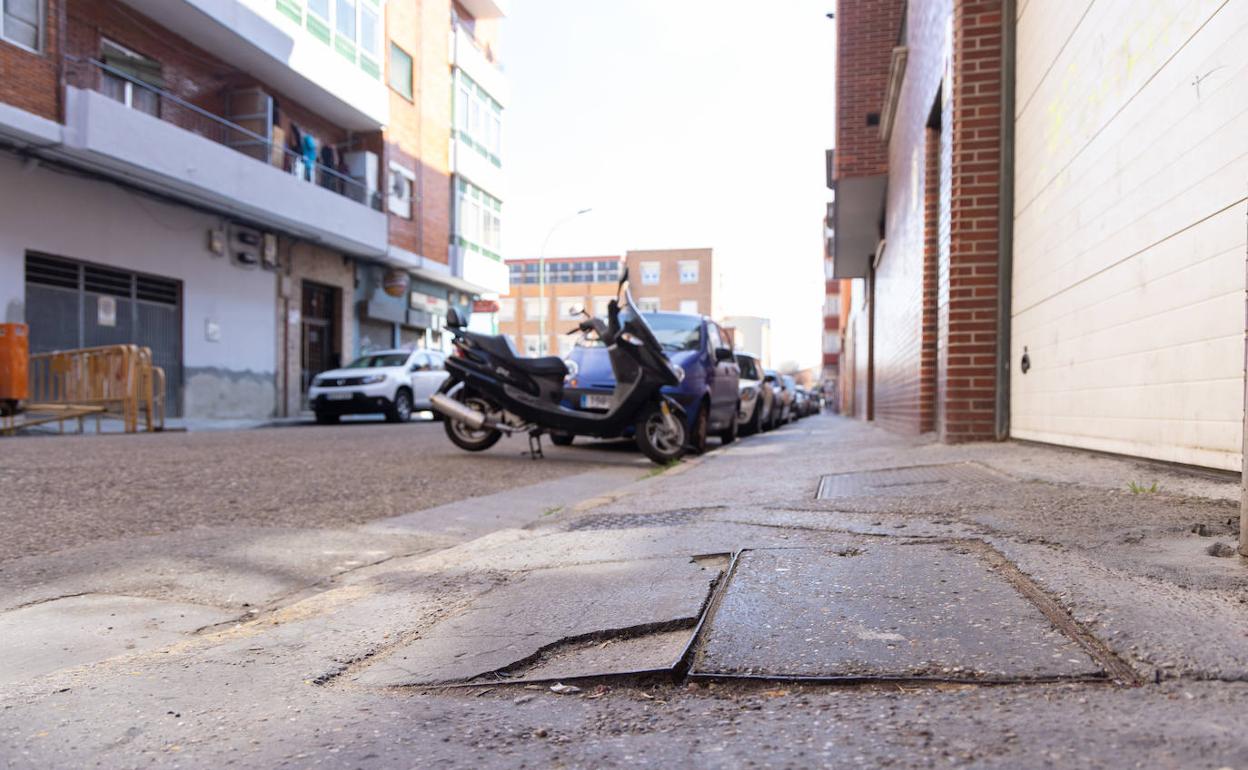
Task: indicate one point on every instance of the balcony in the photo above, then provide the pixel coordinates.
(118, 123)
(467, 56)
(484, 274)
(256, 38)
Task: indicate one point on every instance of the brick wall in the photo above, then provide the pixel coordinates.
(866, 33)
(931, 277)
(28, 80)
(670, 291)
(435, 128)
(969, 390)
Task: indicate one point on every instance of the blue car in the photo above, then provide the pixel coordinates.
(695, 343)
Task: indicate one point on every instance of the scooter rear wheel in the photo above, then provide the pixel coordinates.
(465, 436)
(657, 439)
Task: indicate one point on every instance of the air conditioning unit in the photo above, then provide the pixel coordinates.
(364, 167)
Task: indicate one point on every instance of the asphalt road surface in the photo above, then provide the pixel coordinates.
(66, 491)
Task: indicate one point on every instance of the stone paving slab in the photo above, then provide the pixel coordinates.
(889, 611)
(513, 623)
(78, 630)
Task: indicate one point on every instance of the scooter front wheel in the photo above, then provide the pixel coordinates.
(464, 435)
(660, 438)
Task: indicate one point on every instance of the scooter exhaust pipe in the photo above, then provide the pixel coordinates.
(451, 408)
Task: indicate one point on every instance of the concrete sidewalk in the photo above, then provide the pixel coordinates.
(825, 594)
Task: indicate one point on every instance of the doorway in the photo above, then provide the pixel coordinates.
(319, 343)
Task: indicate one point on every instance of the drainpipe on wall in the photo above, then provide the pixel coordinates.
(1005, 221)
(1243, 476)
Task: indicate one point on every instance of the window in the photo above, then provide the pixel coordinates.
(566, 344)
(22, 23)
(437, 361)
(345, 19)
(131, 78)
(401, 71)
(648, 304)
(506, 310)
(650, 273)
(400, 198)
(713, 338)
(689, 306)
(479, 219)
(319, 8)
(533, 309)
(532, 345)
(688, 270)
(370, 37)
(600, 306)
(478, 118)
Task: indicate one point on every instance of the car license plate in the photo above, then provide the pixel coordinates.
(339, 396)
(595, 402)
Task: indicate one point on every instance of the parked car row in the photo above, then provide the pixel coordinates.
(390, 382)
(770, 399)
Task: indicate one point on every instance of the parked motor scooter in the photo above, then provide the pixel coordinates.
(493, 390)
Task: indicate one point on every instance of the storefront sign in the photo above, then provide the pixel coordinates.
(485, 306)
(421, 301)
(396, 282)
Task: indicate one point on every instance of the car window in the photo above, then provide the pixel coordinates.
(420, 361)
(375, 360)
(676, 331)
(713, 339)
(437, 361)
(748, 370)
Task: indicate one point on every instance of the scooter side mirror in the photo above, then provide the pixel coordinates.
(724, 355)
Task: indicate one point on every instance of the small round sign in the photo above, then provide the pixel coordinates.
(396, 282)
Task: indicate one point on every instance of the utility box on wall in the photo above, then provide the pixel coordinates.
(14, 366)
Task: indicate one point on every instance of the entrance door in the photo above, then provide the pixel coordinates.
(320, 324)
(71, 304)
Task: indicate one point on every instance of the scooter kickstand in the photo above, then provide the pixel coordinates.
(535, 446)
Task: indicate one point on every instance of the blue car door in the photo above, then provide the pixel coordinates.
(724, 377)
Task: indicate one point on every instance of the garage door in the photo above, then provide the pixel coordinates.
(63, 311)
(1129, 240)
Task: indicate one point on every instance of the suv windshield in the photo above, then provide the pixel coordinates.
(676, 331)
(378, 359)
(748, 372)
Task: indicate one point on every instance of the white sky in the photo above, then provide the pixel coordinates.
(682, 123)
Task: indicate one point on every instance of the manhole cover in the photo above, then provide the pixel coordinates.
(631, 520)
(914, 480)
(890, 612)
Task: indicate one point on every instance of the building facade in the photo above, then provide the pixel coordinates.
(537, 315)
(214, 182)
(675, 280)
(750, 334)
(1037, 254)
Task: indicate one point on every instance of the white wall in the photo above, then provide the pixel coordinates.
(94, 221)
(1129, 243)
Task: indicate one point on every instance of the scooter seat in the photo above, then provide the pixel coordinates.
(547, 366)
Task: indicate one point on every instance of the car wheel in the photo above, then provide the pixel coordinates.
(729, 434)
(325, 418)
(401, 408)
(562, 439)
(697, 439)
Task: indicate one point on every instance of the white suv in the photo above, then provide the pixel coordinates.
(390, 382)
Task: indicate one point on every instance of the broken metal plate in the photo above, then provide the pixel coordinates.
(885, 611)
(913, 480)
(535, 619)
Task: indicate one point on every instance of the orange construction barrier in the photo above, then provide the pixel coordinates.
(14, 365)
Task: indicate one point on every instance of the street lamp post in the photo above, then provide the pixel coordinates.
(541, 280)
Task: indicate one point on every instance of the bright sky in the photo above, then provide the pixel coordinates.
(682, 123)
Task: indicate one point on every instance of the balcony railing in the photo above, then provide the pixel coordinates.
(159, 103)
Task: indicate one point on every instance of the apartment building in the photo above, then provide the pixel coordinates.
(537, 315)
(677, 280)
(750, 334)
(443, 172)
(215, 182)
(1036, 255)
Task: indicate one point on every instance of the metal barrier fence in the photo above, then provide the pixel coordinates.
(115, 381)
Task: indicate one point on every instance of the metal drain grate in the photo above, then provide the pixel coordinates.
(632, 520)
(899, 482)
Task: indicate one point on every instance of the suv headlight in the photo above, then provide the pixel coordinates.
(373, 379)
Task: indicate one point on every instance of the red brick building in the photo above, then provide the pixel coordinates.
(916, 222)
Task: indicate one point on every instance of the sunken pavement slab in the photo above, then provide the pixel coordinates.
(648, 606)
(900, 611)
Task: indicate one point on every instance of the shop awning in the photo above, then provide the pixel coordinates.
(859, 213)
